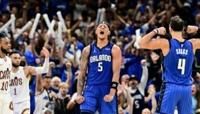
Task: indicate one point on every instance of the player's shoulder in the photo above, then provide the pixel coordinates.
(195, 43)
(86, 50)
(116, 51)
(164, 41)
(27, 68)
(116, 48)
(194, 40)
(8, 60)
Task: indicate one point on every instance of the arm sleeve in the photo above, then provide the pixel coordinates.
(44, 68)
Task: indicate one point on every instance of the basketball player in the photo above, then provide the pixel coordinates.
(5, 69)
(19, 81)
(102, 59)
(177, 66)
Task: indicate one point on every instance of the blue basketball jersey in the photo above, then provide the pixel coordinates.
(178, 63)
(100, 65)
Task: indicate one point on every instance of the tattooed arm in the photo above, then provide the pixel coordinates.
(83, 69)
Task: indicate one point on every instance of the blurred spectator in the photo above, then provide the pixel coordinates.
(43, 96)
(62, 99)
(55, 83)
(194, 99)
(137, 89)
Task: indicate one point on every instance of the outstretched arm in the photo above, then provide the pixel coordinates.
(40, 70)
(83, 69)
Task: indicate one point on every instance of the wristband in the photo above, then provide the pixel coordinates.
(156, 31)
(114, 85)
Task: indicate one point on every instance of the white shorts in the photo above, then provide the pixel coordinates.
(5, 104)
(22, 107)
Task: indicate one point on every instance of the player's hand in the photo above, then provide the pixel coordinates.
(191, 29)
(108, 98)
(161, 30)
(45, 52)
(80, 99)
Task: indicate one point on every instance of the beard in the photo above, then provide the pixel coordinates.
(4, 51)
(15, 65)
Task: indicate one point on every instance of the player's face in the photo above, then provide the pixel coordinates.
(16, 59)
(47, 83)
(5, 45)
(102, 31)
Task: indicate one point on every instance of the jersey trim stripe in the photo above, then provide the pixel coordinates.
(162, 91)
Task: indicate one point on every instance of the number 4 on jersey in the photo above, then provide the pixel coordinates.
(181, 66)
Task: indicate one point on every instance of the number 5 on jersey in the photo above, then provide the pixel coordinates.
(181, 66)
(100, 66)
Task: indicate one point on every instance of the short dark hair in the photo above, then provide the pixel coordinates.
(176, 23)
(14, 52)
(3, 35)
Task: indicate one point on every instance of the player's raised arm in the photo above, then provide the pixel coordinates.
(147, 41)
(44, 68)
(116, 65)
(82, 74)
(195, 41)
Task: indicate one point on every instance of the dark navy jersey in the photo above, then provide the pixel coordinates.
(177, 66)
(138, 104)
(100, 65)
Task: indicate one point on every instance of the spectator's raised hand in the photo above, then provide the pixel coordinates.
(45, 52)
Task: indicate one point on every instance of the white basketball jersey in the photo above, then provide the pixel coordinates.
(40, 102)
(19, 85)
(5, 69)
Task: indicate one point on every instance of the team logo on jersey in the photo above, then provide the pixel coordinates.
(16, 81)
(5, 74)
(94, 51)
(101, 57)
(181, 45)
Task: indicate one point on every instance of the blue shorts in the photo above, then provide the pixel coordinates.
(94, 100)
(175, 96)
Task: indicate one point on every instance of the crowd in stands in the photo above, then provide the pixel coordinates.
(141, 70)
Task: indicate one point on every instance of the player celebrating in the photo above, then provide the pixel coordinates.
(5, 69)
(102, 60)
(19, 81)
(177, 66)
